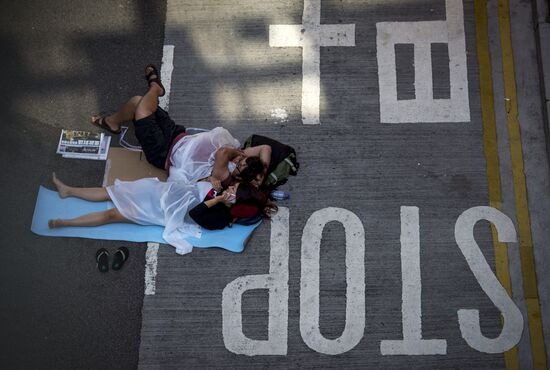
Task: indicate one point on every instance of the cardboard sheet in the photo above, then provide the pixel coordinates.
(127, 165)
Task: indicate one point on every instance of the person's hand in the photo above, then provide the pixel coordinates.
(236, 154)
(227, 199)
(238, 158)
(216, 184)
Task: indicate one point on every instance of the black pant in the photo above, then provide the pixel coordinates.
(155, 134)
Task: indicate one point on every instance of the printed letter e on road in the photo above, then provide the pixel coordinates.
(424, 108)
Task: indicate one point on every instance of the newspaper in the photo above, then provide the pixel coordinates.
(83, 145)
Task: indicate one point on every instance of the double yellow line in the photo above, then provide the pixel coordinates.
(516, 152)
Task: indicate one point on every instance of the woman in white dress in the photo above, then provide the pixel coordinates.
(152, 202)
(192, 157)
(216, 152)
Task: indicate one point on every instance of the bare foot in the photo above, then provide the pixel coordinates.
(154, 85)
(62, 189)
(52, 224)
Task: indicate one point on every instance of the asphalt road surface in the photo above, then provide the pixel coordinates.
(369, 264)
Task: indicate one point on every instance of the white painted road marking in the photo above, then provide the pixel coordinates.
(277, 284)
(411, 309)
(424, 108)
(311, 36)
(151, 256)
(469, 318)
(355, 279)
(151, 259)
(166, 74)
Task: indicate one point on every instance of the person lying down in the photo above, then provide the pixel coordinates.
(182, 208)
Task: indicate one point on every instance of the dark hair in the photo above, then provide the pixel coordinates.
(248, 194)
(254, 167)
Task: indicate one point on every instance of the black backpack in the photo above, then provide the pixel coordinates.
(283, 161)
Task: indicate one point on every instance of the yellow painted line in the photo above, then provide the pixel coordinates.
(490, 148)
(520, 190)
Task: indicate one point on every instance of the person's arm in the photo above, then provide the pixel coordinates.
(262, 151)
(224, 198)
(211, 214)
(221, 159)
(216, 184)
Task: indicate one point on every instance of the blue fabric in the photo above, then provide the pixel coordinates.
(50, 206)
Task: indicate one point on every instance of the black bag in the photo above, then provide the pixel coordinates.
(247, 221)
(283, 161)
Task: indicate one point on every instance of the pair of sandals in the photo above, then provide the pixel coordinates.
(102, 123)
(102, 259)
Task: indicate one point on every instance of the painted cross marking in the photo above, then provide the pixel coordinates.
(310, 36)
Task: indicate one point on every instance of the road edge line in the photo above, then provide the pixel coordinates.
(490, 148)
(528, 267)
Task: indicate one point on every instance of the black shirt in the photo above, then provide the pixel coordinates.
(213, 218)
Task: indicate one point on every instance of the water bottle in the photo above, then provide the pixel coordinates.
(280, 195)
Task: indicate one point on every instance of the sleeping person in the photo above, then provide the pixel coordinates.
(216, 152)
(187, 158)
(182, 208)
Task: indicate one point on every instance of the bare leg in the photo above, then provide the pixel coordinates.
(93, 194)
(125, 113)
(91, 219)
(149, 103)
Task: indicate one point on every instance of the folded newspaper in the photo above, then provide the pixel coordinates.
(83, 145)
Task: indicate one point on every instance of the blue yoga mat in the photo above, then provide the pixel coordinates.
(50, 206)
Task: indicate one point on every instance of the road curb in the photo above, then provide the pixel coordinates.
(542, 30)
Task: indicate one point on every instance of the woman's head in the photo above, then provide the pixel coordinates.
(249, 168)
(249, 195)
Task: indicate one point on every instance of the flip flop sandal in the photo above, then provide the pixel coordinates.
(120, 256)
(102, 124)
(154, 72)
(102, 259)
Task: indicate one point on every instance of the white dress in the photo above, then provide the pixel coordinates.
(152, 202)
(192, 156)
